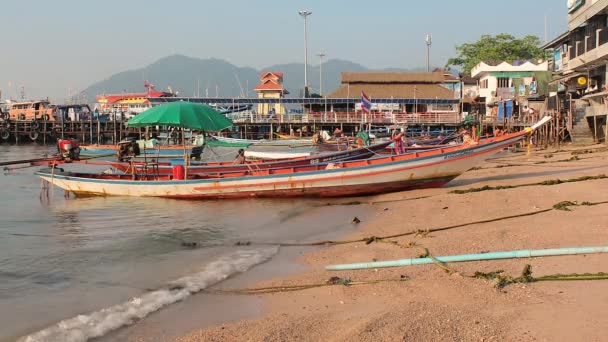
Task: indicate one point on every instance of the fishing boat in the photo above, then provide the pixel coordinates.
(266, 142)
(274, 155)
(152, 148)
(215, 167)
(433, 168)
(440, 140)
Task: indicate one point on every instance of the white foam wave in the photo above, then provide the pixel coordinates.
(98, 323)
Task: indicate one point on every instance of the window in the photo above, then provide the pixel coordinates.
(503, 82)
(484, 84)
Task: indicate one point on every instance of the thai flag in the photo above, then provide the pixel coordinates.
(366, 103)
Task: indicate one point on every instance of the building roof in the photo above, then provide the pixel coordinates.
(392, 77)
(270, 85)
(113, 98)
(466, 79)
(278, 74)
(556, 41)
(407, 91)
(484, 67)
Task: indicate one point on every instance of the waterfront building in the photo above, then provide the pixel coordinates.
(578, 62)
(129, 104)
(271, 87)
(412, 86)
(507, 83)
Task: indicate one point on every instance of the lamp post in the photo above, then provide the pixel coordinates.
(428, 52)
(321, 55)
(305, 14)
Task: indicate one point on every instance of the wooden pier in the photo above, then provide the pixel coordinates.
(265, 127)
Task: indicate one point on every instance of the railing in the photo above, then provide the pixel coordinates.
(343, 117)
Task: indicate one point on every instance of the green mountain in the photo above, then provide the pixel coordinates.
(207, 77)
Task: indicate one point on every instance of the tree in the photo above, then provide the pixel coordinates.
(502, 47)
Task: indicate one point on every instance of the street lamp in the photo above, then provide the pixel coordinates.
(428, 52)
(305, 14)
(321, 55)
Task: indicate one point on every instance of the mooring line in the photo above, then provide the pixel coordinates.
(546, 182)
(564, 206)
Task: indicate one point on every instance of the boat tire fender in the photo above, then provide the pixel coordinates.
(34, 134)
(46, 117)
(6, 125)
(4, 134)
(35, 124)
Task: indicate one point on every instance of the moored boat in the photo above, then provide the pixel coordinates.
(215, 167)
(265, 142)
(432, 168)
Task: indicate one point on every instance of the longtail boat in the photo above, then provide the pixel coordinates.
(433, 168)
(215, 167)
(265, 142)
(159, 150)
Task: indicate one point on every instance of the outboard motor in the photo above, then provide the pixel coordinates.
(68, 149)
(127, 149)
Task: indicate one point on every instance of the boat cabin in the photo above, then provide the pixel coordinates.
(72, 112)
(31, 110)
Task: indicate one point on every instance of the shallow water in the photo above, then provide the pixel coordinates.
(83, 260)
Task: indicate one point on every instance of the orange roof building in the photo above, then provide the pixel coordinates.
(271, 87)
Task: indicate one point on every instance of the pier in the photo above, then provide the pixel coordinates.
(256, 126)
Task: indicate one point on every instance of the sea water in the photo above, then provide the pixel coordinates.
(77, 268)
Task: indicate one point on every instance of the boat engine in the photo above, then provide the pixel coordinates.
(68, 149)
(127, 149)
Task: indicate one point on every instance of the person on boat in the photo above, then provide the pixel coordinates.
(397, 137)
(467, 139)
(317, 138)
(337, 132)
(240, 158)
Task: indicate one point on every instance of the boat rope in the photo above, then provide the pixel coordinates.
(564, 206)
(333, 281)
(545, 182)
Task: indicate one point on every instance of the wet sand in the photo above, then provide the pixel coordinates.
(430, 304)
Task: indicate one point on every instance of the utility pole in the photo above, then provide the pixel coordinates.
(428, 52)
(305, 14)
(321, 55)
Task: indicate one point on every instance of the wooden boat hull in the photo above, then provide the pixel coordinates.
(275, 154)
(373, 176)
(277, 142)
(431, 168)
(107, 150)
(214, 167)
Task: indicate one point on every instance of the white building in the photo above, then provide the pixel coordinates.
(580, 70)
(504, 81)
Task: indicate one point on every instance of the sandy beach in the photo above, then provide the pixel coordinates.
(428, 302)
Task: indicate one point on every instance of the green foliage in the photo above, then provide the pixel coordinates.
(502, 47)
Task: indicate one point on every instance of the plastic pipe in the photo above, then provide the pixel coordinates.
(526, 253)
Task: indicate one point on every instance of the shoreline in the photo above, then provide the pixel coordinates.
(207, 309)
(431, 304)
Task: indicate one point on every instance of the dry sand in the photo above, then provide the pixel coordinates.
(432, 305)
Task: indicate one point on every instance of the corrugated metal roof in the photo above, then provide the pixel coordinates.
(404, 91)
(392, 77)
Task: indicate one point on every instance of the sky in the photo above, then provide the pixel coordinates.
(56, 48)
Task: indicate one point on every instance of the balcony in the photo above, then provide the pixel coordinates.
(586, 53)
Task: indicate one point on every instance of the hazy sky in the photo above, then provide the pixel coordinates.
(52, 47)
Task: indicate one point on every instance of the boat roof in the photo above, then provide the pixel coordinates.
(27, 102)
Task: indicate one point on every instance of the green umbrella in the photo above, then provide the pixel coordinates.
(182, 114)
